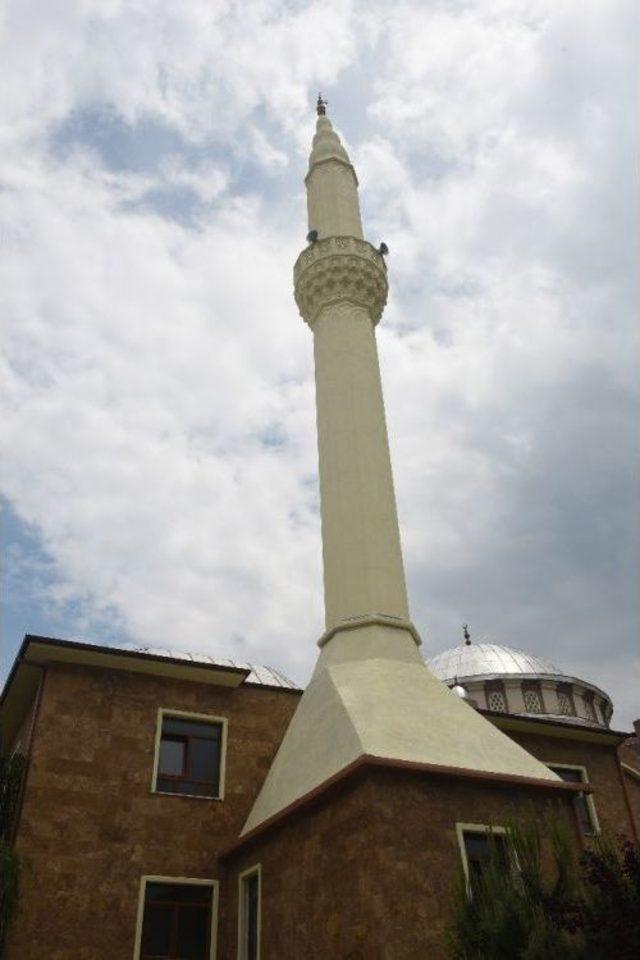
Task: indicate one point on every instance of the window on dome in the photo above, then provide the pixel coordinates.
(566, 706)
(532, 700)
(605, 711)
(496, 697)
(497, 701)
(589, 707)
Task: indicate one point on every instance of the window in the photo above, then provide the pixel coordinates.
(585, 807)
(566, 707)
(589, 707)
(605, 710)
(497, 701)
(189, 757)
(176, 919)
(249, 893)
(480, 845)
(532, 700)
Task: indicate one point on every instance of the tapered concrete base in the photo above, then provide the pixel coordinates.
(371, 694)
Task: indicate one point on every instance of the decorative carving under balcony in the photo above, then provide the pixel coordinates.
(336, 270)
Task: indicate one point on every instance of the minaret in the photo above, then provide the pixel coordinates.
(341, 289)
(371, 697)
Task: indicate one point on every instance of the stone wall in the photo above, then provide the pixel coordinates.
(602, 767)
(90, 825)
(368, 872)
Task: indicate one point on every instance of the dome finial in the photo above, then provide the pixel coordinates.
(321, 106)
(467, 635)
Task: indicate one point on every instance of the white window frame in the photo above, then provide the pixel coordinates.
(584, 776)
(187, 881)
(482, 828)
(256, 870)
(202, 718)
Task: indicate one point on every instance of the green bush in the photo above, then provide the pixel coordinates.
(587, 909)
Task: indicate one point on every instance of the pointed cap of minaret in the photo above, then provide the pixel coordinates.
(326, 142)
(332, 184)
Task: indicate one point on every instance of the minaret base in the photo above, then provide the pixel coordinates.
(372, 695)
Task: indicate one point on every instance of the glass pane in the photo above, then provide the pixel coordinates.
(202, 763)
(251, 890)
(191, 728)
(570, 776)
(192, 893)
(482, 847)
(193, 939)
(155, 892)
(584, 814)
(171, 758)
(156, 931)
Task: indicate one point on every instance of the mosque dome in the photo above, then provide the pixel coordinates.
(479, 659)
(506, 680)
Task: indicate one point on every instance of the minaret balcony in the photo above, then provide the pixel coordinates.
(338, 270)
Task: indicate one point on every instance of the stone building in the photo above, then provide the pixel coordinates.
(179, 806)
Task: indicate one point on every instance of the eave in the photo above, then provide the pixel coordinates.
(37, 653)
(544, 727)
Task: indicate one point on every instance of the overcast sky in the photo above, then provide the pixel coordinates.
(159, 464)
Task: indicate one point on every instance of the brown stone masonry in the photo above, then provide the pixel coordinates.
(601, 763)
(366, 872)
(90, 825)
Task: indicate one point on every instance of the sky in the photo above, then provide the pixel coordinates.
(159, 461)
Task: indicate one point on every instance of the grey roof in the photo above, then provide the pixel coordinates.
(260, 675)
(482, 659)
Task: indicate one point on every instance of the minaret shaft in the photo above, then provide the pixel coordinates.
(341, 289)
(363, 572)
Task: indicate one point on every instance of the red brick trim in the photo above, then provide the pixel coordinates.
(367, 761)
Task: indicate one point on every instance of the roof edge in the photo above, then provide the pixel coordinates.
(567, 730)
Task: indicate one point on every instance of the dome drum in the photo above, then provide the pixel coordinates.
(504, 680)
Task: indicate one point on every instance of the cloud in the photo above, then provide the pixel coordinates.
(158, 383)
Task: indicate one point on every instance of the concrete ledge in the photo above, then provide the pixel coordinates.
(375, 619)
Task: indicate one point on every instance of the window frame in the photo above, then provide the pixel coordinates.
(184, 881)
(481, 828)
(591, 806)
(199, 718)
(255, 870)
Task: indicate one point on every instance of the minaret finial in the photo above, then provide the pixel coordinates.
(321, 106)
(467, 635)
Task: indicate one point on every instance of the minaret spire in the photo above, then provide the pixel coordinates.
(332, 186)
